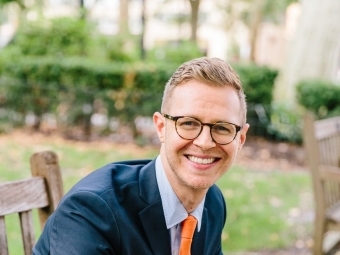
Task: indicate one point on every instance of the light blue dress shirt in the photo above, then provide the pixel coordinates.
(174, 211)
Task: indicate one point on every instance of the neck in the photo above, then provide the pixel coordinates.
(189, 196)
(189, 202)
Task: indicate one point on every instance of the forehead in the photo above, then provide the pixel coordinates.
(208, 103)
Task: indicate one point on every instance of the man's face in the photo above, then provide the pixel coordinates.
(199, 163)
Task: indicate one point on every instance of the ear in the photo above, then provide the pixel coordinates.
(243, 135)
(159, 122)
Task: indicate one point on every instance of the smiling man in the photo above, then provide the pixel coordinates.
(169, 205)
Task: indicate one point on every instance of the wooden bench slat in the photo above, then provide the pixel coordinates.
(327, 127)
(3, 239)
(27, 230)
(22, 195)
(330, 173)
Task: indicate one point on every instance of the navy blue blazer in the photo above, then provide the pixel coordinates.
(118, 210)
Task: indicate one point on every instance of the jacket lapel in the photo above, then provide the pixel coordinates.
(200, 238)
(152, 216)
(155, 228)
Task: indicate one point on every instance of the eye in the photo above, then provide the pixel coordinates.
(224, 129)
(188, 123)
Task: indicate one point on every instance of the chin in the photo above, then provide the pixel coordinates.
(200, 184)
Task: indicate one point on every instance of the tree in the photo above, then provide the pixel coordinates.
(252, 13)
(18, 11)
(183, 16)
(19, 2)
(314, 52)
(82, 9)
(124, 17)
(194, 18)
(143, 21)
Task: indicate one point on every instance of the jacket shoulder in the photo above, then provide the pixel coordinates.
(111, 176)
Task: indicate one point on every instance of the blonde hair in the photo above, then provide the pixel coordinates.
(211, 71)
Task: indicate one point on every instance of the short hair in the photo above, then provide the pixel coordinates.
(211, 71)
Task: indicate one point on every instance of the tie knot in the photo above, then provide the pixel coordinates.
(188, 227)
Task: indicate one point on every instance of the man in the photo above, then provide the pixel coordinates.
(137, 207)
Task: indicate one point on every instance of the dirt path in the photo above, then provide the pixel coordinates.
(263, 155)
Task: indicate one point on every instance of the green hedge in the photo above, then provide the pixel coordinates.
(319, 96)
(88, 76)
(58, 36)
(176, 52)
(42, 84)
(63, 66)
(124, 90)
(258, 82)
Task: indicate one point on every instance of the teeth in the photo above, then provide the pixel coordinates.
(201, 160)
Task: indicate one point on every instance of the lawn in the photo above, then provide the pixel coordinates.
(266, 209)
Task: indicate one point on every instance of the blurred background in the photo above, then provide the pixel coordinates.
(86, 76)
(101, 65)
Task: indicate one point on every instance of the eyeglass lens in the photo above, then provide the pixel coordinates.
(190, 128)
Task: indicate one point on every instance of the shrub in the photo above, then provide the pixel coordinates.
(118, 48)
(41, 84)
(285, 124)
(77, 85)
(257, 81)
(175, 52)
(59, 37)
(319, 96)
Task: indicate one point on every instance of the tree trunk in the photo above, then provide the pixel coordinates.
(194, 19)
(254, 29)
(124, 17)
(314, 50)
(142, 44)
(82, 9)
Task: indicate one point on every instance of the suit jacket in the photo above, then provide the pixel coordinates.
(118, 210)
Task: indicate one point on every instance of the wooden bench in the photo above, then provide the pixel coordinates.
(42, 191)
(322, 146)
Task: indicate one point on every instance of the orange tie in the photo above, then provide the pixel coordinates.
(188, 228)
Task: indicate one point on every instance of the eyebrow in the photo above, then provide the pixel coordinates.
(206, 123)
(216, 122)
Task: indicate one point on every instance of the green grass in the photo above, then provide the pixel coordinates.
(263, 207)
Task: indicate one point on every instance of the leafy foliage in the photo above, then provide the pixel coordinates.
(74, 86)
(285, 123)
(43, 84)
(176, 52)
(61, 67)
(119, 48)
(19, 2)
(258, 82)
(319, 96)
(61, 37)
(58, 37)
(70, 85)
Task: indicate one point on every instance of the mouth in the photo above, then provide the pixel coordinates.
(202, 161)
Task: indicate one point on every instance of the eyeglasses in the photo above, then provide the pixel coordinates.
(190, 128)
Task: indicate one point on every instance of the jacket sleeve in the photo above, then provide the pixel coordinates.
(224, 206)
(83, 224)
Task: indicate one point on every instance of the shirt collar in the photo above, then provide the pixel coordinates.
(174, 211)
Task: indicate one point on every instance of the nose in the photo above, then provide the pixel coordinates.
(204, 140)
